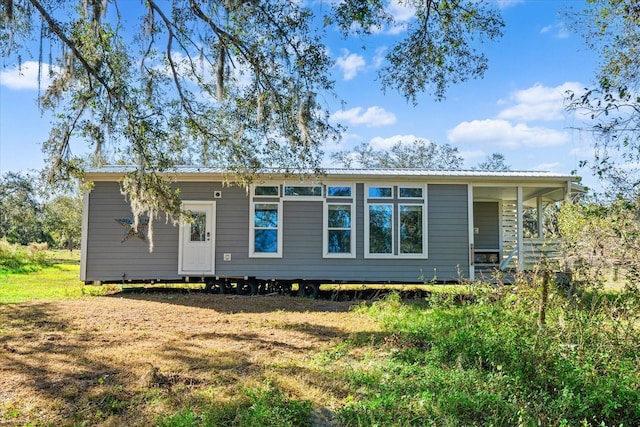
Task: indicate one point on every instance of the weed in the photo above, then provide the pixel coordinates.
(258, 407)
(490, 363)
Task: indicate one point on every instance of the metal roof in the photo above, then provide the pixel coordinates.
(337, 172)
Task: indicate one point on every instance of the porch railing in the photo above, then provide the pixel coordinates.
(536, 251)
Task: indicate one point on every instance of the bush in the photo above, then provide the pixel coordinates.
(20, 259)
(489, 363)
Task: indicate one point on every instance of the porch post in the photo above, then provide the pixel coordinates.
(519, 223)
(540, 217)
(472, 269)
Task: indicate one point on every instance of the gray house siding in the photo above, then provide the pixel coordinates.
(109, 258)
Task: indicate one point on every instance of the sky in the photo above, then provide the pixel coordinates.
(517, 109)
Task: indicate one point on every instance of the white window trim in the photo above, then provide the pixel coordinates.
(422, 254)
(367, 253)
(252, 230)
(396, 201)
(385, 185)
(325, 230)
(340, 184)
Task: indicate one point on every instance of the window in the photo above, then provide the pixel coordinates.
(380, 192)
(396, 227)
(266, 230)
(339, 237)
(339, 191)
(411, 229)
(380, 221)
(303, 191)
(198, 227)
(267, 190)
(410, 192)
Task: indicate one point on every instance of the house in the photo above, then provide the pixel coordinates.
(348, 226)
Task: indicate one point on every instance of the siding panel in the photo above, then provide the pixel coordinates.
(109, 259)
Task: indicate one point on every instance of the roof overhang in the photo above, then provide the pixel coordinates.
(496, 185)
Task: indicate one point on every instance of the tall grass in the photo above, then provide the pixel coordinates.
(21, 259)
(255, 407)
(487, 362)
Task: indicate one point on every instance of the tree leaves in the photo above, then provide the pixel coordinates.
(240, 85)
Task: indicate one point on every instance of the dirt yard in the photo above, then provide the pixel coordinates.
(127, 358)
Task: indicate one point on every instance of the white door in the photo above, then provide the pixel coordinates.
(196, 253)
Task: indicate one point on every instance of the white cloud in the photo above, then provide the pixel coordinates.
(378, 59)
(350, 64)
(380, 143)
(373, 117)
(558, 30)
(503, 4)
(401, 12)
(537, 102)
(347, 141)
(504, 134)
(548, 167)
(26, 77)
(546, 29)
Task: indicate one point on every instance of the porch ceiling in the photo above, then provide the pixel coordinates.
(529, 194)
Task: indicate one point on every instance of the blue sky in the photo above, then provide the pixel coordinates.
(516, 109)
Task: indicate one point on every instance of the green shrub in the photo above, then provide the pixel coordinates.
(487, 362)
(21, 259)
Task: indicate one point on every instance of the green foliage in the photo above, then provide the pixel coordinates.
(419, 153)
(260, 407)
(20, 210)
(20, 259)
(239, 85)
(602, 237)
(486, 362)
(494, 162)
(28, 215)
(611, 28)
(62, 221)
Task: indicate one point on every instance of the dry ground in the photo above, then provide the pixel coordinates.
(125, 359)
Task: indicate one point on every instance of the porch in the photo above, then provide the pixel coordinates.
(513, 227)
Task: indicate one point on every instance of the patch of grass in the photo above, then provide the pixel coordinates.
(488, 363)
(257, 407)
(21, 259)
(54, 276)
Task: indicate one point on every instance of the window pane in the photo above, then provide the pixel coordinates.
(410, 192)
(266, 215)
(267, 190)
(380, 192)
(411, 229)
(339, 216)
(338, 191)
(302, 191)
(380, 229)
(339, 241)
(266, 241)
(198, 226)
